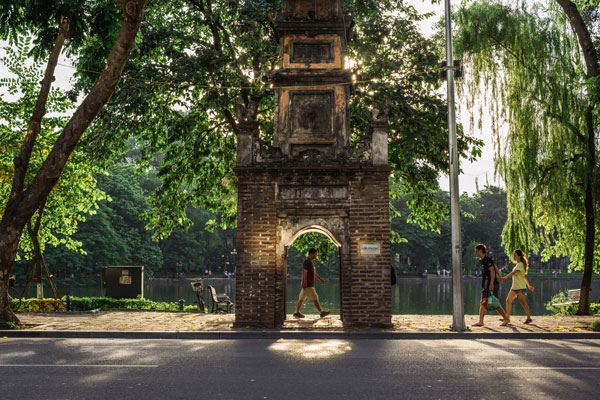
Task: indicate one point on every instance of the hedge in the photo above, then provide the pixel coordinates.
(95, 303)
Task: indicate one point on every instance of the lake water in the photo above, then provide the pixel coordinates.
(409, 296)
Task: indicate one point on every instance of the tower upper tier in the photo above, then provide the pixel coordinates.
(312, 86)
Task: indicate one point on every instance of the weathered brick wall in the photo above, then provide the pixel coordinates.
(256, 262)
(370, 301)
(362, 216)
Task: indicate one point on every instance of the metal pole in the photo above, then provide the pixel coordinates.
(458, 310)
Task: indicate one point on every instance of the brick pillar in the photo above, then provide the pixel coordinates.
(370, 303)
(256, 243)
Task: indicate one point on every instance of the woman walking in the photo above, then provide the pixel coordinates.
(519, 287)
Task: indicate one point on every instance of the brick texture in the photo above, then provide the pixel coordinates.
(264, 220)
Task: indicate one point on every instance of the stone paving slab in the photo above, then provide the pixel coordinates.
(140, 321)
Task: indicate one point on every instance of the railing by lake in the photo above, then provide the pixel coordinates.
(410, 296)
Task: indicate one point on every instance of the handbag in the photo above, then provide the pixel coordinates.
(493, 302)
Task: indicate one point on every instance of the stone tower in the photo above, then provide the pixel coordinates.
(311, 179)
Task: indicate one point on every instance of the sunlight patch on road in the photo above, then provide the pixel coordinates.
(311, 349)
(16, 354)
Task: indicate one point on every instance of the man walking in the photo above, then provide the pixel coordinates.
(489, 284)
(308, 291)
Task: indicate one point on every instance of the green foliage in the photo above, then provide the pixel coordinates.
(116, 234)
(196, 75)
(595, 325)
(76, 195)
(328, 255)
(11, 326)
(39, 305)
(95, 303)
(560, 304)
(482, 217)
(325, 248)
(526, 66)
(88, 19)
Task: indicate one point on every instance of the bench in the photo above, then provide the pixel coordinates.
(219, 301)
(573, 296)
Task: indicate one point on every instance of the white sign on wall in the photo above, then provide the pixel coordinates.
(370, 249)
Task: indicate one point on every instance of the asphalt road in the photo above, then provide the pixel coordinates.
(288, 369)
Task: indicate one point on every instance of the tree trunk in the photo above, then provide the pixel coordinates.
(586, 43)
(21, 207)
(6, 313)
(590, 57)
(590, 216)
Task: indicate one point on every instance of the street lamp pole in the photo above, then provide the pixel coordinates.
(458, 310)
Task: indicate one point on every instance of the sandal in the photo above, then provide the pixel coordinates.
(478, 324)
(528, 321)
(505, 323)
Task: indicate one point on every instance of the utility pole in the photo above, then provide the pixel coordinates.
(458, 308)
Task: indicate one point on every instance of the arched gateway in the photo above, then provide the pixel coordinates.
(311, 178)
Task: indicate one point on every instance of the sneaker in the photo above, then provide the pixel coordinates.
(298, 315)
(324, 313)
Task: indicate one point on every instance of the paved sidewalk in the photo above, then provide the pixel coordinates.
(140, 321)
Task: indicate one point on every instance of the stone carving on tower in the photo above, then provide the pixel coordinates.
(312, 91)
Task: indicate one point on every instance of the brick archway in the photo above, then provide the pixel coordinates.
(312, 176)
(333, 228)
(348, 203)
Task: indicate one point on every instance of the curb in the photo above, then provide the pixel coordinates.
(301, 335)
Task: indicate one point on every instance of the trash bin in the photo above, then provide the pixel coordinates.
(123, 282)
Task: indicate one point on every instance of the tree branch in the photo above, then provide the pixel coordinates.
(17, 213)
(34, 127)
(590, 54)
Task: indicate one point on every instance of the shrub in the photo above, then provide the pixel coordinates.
(567, 309)
(11, 326)
(95, 303)
(39, 305)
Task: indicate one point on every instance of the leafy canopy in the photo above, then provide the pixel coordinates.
(76, 195)
(196, 73)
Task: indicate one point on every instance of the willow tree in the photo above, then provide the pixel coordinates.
(537, 67)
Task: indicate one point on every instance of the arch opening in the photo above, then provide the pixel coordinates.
(314, 229)
(328, 266)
